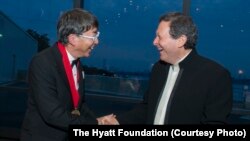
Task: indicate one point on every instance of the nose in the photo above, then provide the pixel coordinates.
(155, 42)
(96, 41)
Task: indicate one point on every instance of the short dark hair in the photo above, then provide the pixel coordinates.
(76, 21)
(181, 24)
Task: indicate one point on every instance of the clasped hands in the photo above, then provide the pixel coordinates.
(108, 120)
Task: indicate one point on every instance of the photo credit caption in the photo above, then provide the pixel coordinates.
(97, 131)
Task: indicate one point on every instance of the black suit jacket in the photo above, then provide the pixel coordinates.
(202, 94)
(50, 102)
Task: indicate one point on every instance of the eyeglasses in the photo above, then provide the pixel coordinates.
(91, 37)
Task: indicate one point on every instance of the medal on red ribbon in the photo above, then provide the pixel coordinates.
(68, 70)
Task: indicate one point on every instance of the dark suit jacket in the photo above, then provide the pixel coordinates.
(50, 102)
(202, 94)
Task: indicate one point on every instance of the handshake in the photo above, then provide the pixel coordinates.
(108, 120)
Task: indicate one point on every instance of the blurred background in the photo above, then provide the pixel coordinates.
(118, 70)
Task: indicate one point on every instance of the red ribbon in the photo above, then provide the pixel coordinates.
(68, 69)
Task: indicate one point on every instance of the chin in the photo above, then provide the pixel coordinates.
(163, 59)
(86, 55)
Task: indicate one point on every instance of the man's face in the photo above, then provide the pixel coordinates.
(166, 45)
(86, 42)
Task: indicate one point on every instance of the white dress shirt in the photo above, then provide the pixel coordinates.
(161, 110)
(74, 69)
(162, 107)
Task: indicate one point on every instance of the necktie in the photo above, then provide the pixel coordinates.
(74, 62)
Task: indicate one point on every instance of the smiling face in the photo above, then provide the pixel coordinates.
(77, 30)
(170, 49)
(86, 45)
(80, 46)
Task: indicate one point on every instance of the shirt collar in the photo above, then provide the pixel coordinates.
(71, 58)
(182, 58)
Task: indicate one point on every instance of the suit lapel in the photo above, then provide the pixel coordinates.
(62, 72)
(172, 95)
(162, 82)
(81, 85)
(60, 66)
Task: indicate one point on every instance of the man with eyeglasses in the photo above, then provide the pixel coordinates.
(56, 81)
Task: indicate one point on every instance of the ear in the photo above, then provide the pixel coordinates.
(72, 38)
(182, 40)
